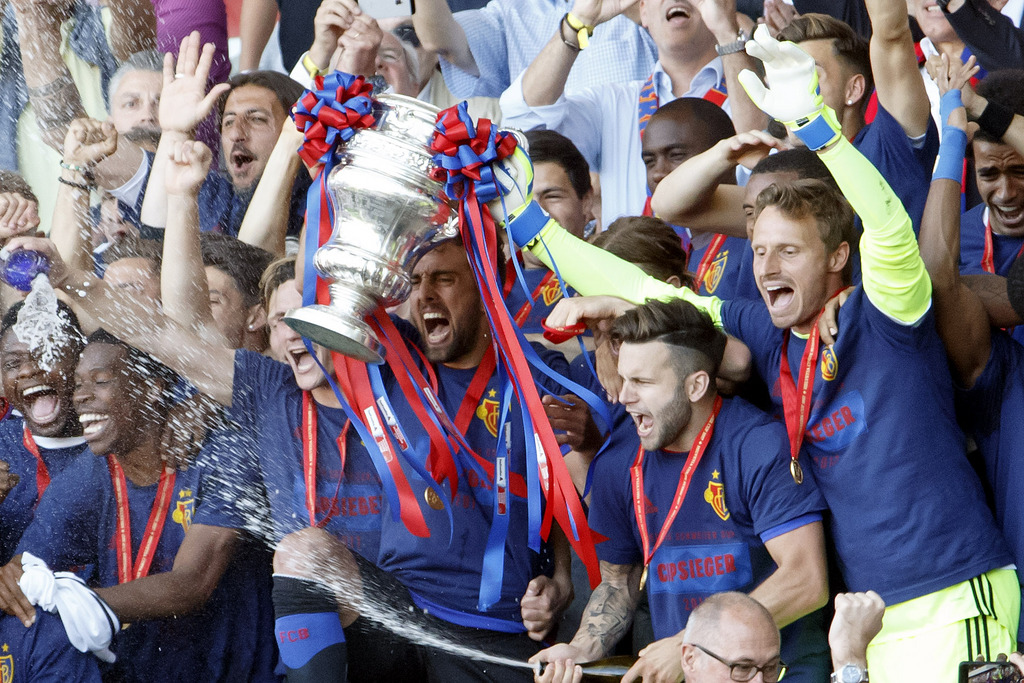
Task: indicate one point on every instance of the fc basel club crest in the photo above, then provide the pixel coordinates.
(715, 497)
(183, 509)
(551, 292)
(488, 412)
(713, 277)
(829, 365)
(6, 666)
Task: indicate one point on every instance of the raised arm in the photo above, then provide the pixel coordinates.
(894, 67)
(266, 220)
(692, 194)
(86, 143)
(132, 27)
(959, 315)
(892, 272)
(255, 27)
(184, 104)
(989, 34)
(184, 291)
(51, 89)
(544, 80)
(439, 32)
(209, 366)
(199, 564)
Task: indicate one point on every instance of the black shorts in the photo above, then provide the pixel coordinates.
(377, 653)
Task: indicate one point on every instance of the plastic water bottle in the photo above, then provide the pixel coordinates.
(19, 268)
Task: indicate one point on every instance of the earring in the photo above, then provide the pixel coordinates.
(252, 327)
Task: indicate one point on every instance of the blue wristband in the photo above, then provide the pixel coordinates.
(528, 224)
(950, 163)
(817, 133)
(950, 101)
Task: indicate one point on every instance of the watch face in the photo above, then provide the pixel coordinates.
(851, 673)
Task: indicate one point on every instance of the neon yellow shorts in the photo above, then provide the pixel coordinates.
(926, 638)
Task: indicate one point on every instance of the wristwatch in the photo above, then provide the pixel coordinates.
(738, 45)
(850, 673)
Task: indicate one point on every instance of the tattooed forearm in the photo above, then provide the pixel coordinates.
(56, 105)
(609, 611)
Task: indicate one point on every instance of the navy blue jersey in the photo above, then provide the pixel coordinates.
(991, 413)
(18, 508)
(741, 496)
(546, 292)
(443, 572)
(730, 273)
(42, 653)
(267, 404)
(908, 512)
(221, 208)
(906, 167)
(1005, 249)
(231, 637)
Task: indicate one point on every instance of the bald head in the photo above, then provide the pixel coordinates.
(734, 627)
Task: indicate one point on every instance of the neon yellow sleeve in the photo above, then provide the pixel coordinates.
(892, 272)
(593, 271)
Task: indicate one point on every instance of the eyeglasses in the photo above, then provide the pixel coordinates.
(744, 671)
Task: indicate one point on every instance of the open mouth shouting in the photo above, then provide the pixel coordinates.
(437, 329)
(679, 14)
(42, 404)
(779, 296)
(644, 424)
(241, 162)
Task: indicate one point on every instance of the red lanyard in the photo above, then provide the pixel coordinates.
(685, 477)
(988, 263)
(483, 374)
(154, 527)
(705, 262)
(521, 315)
(42, 473)
(796, 399)
(309, 454)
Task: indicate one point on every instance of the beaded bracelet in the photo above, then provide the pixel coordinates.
(80, 186)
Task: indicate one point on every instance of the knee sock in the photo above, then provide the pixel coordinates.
(308, 631)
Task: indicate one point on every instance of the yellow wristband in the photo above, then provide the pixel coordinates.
(310, 67)
(583, 32)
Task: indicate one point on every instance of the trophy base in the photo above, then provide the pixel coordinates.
(352, 338)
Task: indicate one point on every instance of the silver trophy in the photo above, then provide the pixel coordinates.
(387, 212)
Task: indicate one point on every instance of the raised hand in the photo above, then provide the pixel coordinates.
(858, 619)
(88, 142)
(778, 15)
(184, 102)
(746, 149)
(359, 45)
(18, 215)
(187, 168)
(955, 75)
(333, 18)
(594, 12)
(792, 96)
(720, 17)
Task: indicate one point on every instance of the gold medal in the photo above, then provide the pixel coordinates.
(433, 500)
(796, 471)
(643, 578)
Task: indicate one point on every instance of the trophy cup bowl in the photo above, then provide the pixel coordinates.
(387, 212)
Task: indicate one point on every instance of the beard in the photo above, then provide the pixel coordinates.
(671, 422)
